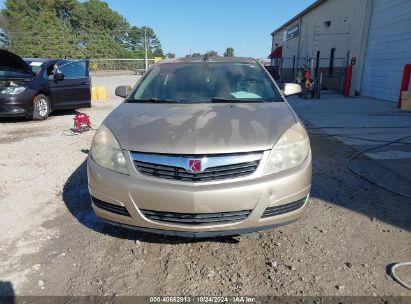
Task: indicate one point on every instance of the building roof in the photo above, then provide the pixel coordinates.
(310, 8)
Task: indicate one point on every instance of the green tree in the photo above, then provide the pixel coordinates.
(229, 52)
(138, 37)
(171, 55)
(28, 37)
(74, 29)
(212, 53)
(153, 43)
(135, 39)
(99, 32)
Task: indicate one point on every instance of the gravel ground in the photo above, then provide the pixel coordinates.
(53, 244)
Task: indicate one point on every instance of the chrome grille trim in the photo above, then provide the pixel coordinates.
(213, 167)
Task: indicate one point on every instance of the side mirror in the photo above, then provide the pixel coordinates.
(123, 91)
(291, 89)
(59, 76)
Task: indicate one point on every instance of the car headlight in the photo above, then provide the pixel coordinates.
(13, 90)
(106, 151)
(290, 150)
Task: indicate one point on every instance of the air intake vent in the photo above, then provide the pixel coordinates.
(282, 209)
(196, 218)
(120, 210)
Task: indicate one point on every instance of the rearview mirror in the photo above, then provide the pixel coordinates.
(291, 89)
(123, 91)
(59, 76)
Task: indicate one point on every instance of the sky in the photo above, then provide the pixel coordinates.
(195, 26)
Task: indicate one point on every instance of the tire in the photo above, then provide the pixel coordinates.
(41, 109)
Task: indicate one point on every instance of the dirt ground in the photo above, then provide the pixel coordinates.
(53, 244)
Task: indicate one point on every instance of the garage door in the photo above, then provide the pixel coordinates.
(388, 49)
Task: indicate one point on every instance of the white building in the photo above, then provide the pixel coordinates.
(374, 35)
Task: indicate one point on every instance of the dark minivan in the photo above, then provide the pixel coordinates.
(34, 87)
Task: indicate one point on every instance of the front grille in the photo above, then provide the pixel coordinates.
(277, 210)
(110, 207)
(210, 174)
(196, 218)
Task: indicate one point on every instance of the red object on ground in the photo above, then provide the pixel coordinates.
(348, 79)
(82, 122)
(277, 53)
(405, 83)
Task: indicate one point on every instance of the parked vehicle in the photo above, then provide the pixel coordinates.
(201, 147)
(35, 87)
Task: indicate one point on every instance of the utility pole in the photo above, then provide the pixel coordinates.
(145, 47)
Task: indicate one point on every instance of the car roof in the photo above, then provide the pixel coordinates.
(44, 60)
(38, 59)
(209, 59)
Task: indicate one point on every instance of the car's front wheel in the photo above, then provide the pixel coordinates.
(41, 107)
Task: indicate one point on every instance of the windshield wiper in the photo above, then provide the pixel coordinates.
(218, 99)
(226, 100)
(153, 100)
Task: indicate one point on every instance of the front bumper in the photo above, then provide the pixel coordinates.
(204, 234)
(138, 192)
(18, 105)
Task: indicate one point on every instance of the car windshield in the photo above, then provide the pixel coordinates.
(35, 66)
(206, 82)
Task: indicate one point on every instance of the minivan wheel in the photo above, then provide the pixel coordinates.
(41, 107)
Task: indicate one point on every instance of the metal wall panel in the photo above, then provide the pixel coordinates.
(388, 49)
(346, 33)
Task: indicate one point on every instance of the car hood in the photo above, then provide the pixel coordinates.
(14, 63)
(205, 128)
